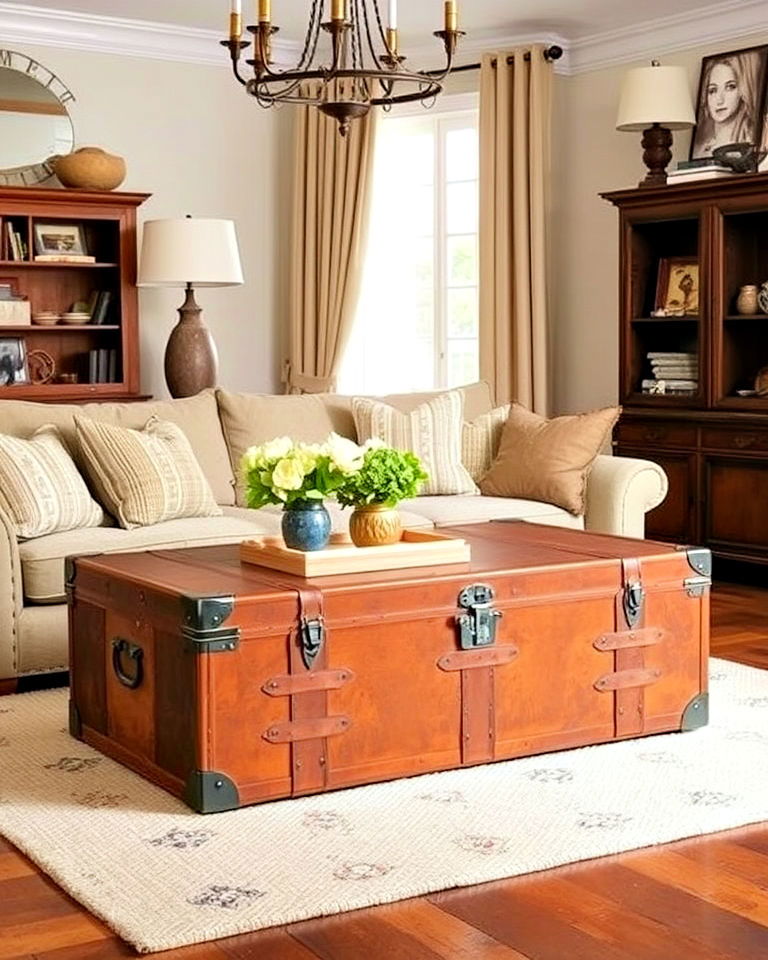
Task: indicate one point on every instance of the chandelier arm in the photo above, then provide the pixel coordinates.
(371, 45)
(441, 75)
(310, 46)
(236, 72)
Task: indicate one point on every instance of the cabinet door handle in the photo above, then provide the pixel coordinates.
(653, 436)
(742, 442)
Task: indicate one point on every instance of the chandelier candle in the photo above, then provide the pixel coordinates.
(236, 20)
(361, 51)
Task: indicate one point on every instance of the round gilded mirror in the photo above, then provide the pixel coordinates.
(34, 122)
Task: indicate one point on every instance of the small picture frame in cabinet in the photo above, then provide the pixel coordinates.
(677, 288)
(59, 238)
(13, 361)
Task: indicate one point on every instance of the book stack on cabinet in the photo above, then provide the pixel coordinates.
(70, 255)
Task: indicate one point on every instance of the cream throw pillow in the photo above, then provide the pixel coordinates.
(480, 440)
(41, 491)
(144, 476)
(432, 431)
(548, 460)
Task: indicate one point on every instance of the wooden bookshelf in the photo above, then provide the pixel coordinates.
(107, 221)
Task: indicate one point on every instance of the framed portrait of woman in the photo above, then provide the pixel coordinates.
(730, 102)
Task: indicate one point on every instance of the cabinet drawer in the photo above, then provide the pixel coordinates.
(729, 438)
(657, 434)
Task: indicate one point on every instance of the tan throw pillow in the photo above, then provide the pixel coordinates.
(480, 440)
(432, 431)
(41, 491)
(548, 460)
(144, 476)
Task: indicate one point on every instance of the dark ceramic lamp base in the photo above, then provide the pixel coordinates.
(656, 143)
(191, 362)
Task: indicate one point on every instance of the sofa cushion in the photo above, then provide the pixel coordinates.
(197, 416)
(41, 490)
(447, 511)
(144, 476)
(42, 560)
(248, 419)
(480, 440)
(548, 460)
(432, 431)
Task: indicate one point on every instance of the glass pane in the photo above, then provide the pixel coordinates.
(414, 210)
(462, 260)
(461, 207)
(408, 155)
(463, 312)
(461, 154)
(463, 362)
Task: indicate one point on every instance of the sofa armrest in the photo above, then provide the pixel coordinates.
(620, 491)
(11, 598)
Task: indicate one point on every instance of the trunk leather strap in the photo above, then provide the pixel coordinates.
(629, 662)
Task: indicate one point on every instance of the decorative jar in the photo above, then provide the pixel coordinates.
(746, 302)
(375, 525)
(306, 525)
(762, 297)
(89, 168)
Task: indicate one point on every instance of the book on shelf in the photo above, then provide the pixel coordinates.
(102, 366)
(702, 163)
(665, 386)
(100, 306)
(705, 173)
(670, 355)
(64, 258)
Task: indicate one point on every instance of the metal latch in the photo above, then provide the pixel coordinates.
(311, 635)
(697, 586)
(477, 627)
(634, 597)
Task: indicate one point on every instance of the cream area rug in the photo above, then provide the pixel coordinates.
(162, 876)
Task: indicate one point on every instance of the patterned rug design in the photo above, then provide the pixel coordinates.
(162, 876)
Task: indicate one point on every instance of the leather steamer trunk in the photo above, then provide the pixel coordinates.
(230, 684)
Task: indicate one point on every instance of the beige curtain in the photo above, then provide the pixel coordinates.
(332, 186)
(515, 111)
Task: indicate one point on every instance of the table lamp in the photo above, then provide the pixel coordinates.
(190, 252)
(656, 100)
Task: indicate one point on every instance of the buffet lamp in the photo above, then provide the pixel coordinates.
(190, 252)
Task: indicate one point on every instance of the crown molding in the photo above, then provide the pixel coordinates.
(716, 23)
(20, 23)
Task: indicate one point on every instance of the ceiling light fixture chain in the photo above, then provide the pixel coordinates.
(366, 66)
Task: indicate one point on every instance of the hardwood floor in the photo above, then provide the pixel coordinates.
(702, 899)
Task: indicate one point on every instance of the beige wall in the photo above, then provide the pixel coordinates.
(591, 156)
(196, 142)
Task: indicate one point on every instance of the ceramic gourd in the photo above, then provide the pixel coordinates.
(89, 168)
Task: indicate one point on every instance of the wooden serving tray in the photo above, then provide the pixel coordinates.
(416, 549)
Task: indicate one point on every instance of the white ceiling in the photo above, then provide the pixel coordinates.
(570, 19)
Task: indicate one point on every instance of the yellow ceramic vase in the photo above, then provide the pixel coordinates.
(375, 525)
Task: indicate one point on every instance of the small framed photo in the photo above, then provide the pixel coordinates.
(729, 106)
(13, 361)
(677, 289)
(64, 238)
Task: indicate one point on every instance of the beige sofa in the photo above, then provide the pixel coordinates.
(33, 621)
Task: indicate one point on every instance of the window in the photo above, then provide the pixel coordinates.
(416, 324)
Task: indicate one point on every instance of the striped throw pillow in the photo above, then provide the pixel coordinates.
(432, 431)
(41, 491)
(144, 476)
(480, 440)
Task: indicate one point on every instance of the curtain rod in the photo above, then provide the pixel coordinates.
(550, 54)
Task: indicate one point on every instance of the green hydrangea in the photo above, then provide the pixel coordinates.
(386, 476)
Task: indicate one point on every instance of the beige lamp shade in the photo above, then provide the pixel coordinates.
(189, 250)
(655, 94)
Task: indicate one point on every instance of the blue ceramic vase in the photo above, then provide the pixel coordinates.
(306, 525)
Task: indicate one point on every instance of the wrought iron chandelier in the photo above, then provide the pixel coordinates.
(366, 67)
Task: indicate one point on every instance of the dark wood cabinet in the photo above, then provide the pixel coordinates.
(710, 432)
(98, 359)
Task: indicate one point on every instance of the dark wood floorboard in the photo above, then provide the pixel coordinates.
(701, 899)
